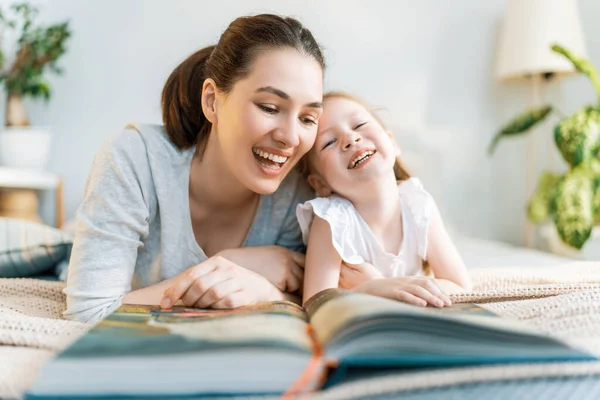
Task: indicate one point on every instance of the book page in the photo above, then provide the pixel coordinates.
(277, 324)
(334, 310)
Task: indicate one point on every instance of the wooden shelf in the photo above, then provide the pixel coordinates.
(14, 178)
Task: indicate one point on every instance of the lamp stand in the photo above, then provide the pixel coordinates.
(531, 160)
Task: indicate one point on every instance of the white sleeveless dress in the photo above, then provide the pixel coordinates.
(356, 243)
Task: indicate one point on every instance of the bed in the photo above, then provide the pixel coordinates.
(512, 281)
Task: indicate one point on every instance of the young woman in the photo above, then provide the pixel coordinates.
(202, 209)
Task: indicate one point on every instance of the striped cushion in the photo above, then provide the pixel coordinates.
(28, 248)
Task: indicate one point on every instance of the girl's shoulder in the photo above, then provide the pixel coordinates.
(335, 208)
(419, 204)
(347, 236)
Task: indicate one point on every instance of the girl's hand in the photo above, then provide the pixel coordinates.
(219, 283)
(282, 267)
(417, 290)
(352, 275)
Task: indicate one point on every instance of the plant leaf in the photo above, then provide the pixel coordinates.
(520, 124)
(542, 205)
(581, 64)
(578, 136)
(574, 216)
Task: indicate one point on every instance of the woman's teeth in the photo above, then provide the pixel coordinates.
(269, 156)
(269, 160)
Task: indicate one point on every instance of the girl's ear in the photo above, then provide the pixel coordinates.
(396, 147)
(209, 100)
(319, 184)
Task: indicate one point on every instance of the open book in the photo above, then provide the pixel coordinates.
(276, 348)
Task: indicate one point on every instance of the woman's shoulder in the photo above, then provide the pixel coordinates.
(141, 138)
(142, 146)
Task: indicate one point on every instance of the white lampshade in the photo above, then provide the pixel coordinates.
(530, 28)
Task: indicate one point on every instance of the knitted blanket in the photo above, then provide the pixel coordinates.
(562, 300)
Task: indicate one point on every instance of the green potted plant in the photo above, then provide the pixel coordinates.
(37, 51)
(570, 200)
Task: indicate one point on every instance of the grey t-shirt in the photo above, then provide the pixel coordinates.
(134, 227)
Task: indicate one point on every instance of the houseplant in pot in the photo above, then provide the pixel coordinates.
(37, 50)
(570, 201)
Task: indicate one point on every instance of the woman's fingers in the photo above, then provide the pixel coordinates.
(298, 258)
(233, 300)
(203, 285)
(296, 277)
(220, 291)
(292, 283)
(176, 292)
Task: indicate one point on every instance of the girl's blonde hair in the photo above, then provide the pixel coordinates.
(400, 170)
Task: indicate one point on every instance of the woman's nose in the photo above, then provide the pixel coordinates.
(287, 134)
(351, 139)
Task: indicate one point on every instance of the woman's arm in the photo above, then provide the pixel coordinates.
(323, 263)
(282, 267)
(112, 222)
(445, 261)
(155, 294)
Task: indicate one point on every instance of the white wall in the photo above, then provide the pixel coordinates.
(430, 63)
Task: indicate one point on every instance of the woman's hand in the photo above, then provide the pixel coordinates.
(282, 267)
(417, 290)
(219, 283)
(352, 275)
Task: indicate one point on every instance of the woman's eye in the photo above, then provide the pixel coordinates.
(359, 125)
(309, 121)
(332, 141)
(267, 109)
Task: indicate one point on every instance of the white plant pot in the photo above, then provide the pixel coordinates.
(590, 251)
(24, 147)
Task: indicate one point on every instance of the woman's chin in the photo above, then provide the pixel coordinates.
(264, 186)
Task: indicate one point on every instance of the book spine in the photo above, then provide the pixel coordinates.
(315, 373)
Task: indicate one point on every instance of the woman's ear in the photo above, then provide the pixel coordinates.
(319, 184)
(209, 100)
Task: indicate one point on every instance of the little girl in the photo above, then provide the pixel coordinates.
(371, 218)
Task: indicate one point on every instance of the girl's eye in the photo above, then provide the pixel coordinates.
(359, 125)
(332, 141)
(267, 109)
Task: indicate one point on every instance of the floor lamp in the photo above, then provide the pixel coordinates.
(529, 28)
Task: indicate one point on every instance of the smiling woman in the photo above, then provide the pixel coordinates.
(201, 211)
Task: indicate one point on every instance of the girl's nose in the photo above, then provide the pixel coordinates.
(351, 139)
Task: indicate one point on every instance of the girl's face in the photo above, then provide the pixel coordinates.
(352, 149)
(268, 121)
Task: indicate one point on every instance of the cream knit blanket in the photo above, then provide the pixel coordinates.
(562, 300)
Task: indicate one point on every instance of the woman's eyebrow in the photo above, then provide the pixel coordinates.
(275, 91)
(285, 96)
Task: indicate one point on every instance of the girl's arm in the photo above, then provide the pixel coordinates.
(445, 261)
(323, 263)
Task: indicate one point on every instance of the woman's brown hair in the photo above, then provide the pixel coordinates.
(226, 63)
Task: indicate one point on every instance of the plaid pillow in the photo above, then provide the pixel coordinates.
(28, 248)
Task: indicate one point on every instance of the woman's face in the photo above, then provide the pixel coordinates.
(268, 121)
(351, 148)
